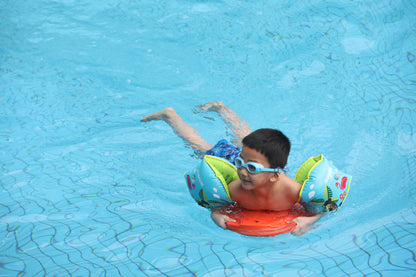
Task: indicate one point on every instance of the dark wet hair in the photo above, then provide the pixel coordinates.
(271, 143)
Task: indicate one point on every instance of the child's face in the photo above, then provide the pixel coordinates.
(250, 181)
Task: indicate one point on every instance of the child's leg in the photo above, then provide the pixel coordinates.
(183, 130)
(236, 124)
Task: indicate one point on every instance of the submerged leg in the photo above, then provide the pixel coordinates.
(185, 131)
(236, 124)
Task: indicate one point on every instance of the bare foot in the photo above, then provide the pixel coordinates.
(213, 106)
(164, 114)
(183, 130)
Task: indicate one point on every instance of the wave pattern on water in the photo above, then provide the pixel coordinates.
(88, 190)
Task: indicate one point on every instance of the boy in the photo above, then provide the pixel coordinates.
(264, 148)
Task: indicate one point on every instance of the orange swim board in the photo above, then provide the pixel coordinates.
(263, 223)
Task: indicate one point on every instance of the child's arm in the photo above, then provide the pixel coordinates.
(305, 223)
(220, 219)
(216, 213)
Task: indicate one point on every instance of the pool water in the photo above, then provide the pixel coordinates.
(89, 190)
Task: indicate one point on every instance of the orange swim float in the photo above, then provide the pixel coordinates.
(263, 223)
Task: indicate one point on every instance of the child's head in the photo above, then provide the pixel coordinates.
(272, 143)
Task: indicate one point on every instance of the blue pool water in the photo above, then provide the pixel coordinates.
(89, 190)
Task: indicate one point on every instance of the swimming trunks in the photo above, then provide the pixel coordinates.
(226, 150)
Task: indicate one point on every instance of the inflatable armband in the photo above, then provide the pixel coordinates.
(324, 187)
(208, 183)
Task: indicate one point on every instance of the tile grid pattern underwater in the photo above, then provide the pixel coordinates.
(77, 191)
(56, 235)
(385, 250)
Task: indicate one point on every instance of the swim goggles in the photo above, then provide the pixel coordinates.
(253, 167)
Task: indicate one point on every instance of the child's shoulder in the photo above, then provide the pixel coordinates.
(237, 193)
(234, 186)
(287, 191)
(290, 185)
